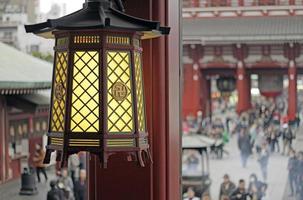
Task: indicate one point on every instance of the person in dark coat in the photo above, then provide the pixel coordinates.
(292, 172)
(80, 186)
(244, 147)
(227, 188)
(299, 180)
(240, 193)
(54, 193)
(263, 161)
(256, 188)
(287, 138)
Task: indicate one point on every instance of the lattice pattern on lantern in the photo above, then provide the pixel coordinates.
(59, 93)
(139, 91)
(93, 39)
(84, 143)
(85, 96)
(120, 113)
(118, 40)
(121, 143)
(56, 141)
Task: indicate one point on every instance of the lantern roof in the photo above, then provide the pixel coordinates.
(99, 14)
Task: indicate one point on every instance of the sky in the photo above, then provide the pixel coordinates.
(71, 5)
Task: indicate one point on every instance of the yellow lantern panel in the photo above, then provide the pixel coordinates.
(119, 93)
(57, 122)
(85, 95)
(139, 92)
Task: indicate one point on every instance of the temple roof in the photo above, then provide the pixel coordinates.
(98, 15)
(21, 73)
(40, 99)
(272, 29)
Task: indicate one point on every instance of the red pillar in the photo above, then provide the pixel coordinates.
(4, 157)
(243, 88)
(195, 3)
(160, 180)
(205, 96)
(292, 90)
(291, 2)
(2, 144)
(192, 90)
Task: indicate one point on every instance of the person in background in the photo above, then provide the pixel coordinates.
(185, 127)
(192, 162)
(80, 186)
(82, 159)
(260, 139)
(240, 193)
(299, 179)
(54, 193)
(227, 188)
(263, 161)
(205, 196)
(244, 146)
(287, 138)
(256, 188)
(292, 172)
(190, 195)
(67, 184)
(38, 163)
(74, 166)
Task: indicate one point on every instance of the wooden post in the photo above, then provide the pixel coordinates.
(4, 159)
(161, 180)
(193, 93)
(243, 88)
(243, 80)
(292, 91)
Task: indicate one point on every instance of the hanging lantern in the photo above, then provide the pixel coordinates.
(97, 100)
(270, 85)
(226, 84)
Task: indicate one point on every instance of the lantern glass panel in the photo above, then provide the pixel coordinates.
(119, 93)
(139, 92)
(59, 93)
(85, 95)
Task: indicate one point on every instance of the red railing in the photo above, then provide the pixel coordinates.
(237, 3)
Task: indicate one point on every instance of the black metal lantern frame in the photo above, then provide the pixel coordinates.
(97, 100)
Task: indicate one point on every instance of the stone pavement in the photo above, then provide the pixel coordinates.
(277, 171)
(10, 191)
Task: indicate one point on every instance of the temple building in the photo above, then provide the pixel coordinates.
(25, 84)
(238, 39)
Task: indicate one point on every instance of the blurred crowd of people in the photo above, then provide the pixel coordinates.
(229, 191)
(70, 183)
(261, 132)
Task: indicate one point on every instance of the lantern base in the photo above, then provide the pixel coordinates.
(141, 156)
(135, 147)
